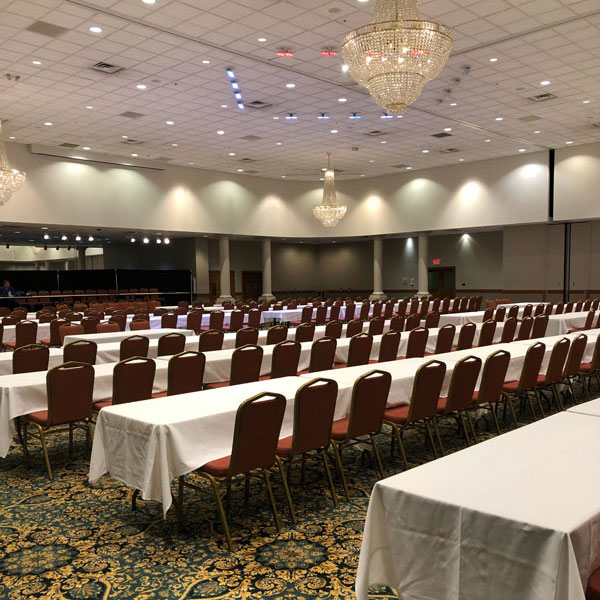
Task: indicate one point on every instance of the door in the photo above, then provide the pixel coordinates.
(214, 284)
(442, 281)
(251, 284)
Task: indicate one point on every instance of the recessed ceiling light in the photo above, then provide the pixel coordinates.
(333, 131)
(499, 118)
(134, 155)
(493, 59)
(91, 238)
(48, 123)
(220, 132)
(487, 141)
(141, 86)
(206, 62)
(174, 145)
(371, 161)
(537, 131)
(461, 160)
(345, 68)
(409, 168)
(190, 163)
(86, 148)
(96, 29)
(146, 240)
(90, 107)
(148, 1)
(240, 170)
(77, 238)
(569, 143)
(169, 122)
(586, 101)
(36, 62)
(46, 236)
(545, 82)
(290, 85)
(132, 240)
(383, 142)
(232, 154)
(279, 144)
(425, 151)
(283, 176)
(276, 118)
(125, 137)
(63, 238)
(453, 103)
(262, 39)
(167, 241)
(522, 150)
(448, 129)
(12, 137)
(223, 105)
(158, 241)
(324, 169)
(342, 99)
(362, 174)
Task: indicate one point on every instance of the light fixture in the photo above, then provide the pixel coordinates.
(499, 119)
(158, 241)
(448, 129)
(487, 141)
(279, 143)
(169, 122)
(134, 154)
(230, 74)
(148, 1)
(345, 68)
(586, 101)
(11, 179)
(63, 238)
(290, 86)
(333, 131)
(537, 131)
(342, 99)
(383, 142)
(232, 154)
(46, 236)
(522, 150)
(77, 238)
(173, 145)
(146, 240)
(262, 40)
(355, 116)
(206, 62)
(91, 238)
(96, 29)
(36, 62)
(397, 53)
(323, 116)
(425, 151)
(240, 170)
(48, 123)
(545, 82)
(568, 143)
(220, 132)
(291, 117)
(386, 116)
(167, 241)
(329, 212)
(494, 59)
(141, 86)
(90, 107)
(453, 103)
(132, 240)
(86, 148)
(409, 168)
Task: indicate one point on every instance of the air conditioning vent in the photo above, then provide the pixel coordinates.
(106, 68)
(449, 150)
(441, 135)
(257, 104)
(399, 166)
(248, 160)
(375, 133)
(529, 118)
(542, 97)
(47, 29)
(131, 142)
(67, 145)
(163, 158)
(251, 138)
(251, 172)
(128, 114)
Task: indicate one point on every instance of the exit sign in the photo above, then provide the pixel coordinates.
(436, 261)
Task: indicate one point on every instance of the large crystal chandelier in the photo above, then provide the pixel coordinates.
(329, 212)
(397, 53)
(10, 179)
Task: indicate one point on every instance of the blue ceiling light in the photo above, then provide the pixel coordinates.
(240, 105)
(386, 116)
(291, 117)
(230, 74)
(235, 86)
(323, 116)
(355, 116)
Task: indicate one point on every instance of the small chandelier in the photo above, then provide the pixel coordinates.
(10, 179)
(329, 212)
(397, 53)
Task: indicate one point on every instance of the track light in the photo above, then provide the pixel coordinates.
(77, 238)
(46, 236)
(132, 240)
(146, 240)
(91, 238)
(158, 241)
(63, 238)
(167, 241)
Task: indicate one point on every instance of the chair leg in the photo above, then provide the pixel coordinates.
(134, 498)
(557, 397)
(463, 424)
(271, 498)
(539, 401)
(472, 427)
(45, 449)
(219, 502)
(341, 469)
(377, 456)
(586, 381)
(494, 409)
(328, 475)
(90, 432)
(430, 436)
(399, 434)
(570, 384)
(508, 400)
(437, 435)
(286, 488)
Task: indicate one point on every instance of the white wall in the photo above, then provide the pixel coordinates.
(61, 191)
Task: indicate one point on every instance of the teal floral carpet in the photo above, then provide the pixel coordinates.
(67, 540)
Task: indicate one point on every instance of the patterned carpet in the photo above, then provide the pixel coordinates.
(67, 540)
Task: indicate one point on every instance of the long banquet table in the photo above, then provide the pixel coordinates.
(516, 516)
(118, 336)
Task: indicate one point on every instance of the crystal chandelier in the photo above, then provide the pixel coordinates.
(397, 53)
(10, 179)
(329, 212)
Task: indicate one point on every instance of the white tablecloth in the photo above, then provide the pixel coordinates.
(117, 336)
(591, 408)
(43, 332)
(515, 517)
(26, 393)
(559, 324)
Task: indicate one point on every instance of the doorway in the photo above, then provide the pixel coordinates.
(442, 281)
(252, 284)
(214, 284)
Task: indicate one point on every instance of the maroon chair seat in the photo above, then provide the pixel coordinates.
(593, 586)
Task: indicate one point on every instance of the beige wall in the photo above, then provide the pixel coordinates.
(400, 265)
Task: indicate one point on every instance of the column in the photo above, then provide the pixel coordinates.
(225, 271)
(81, 259)
(422, 277)
(201, 267)
(267, 294)
(377, 270)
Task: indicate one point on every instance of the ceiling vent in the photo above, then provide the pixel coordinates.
(47, 29)
(441, 135)
(251, 138)
(131, 142)
(596, 124)
(257, 104)
(106, 68)
(529, 118)
(375, 133)
(67, 145)
(250, 172)
(542, 97)
(449, 150)
(399, 166)
(131, 115)
(163, 158)
(248, 160)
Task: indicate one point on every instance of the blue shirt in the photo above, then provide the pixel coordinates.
(7, 291)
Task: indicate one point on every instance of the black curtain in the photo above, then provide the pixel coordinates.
(24, 281)
(88, 279)
(163, 280)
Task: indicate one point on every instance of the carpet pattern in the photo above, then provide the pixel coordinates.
(67, 540)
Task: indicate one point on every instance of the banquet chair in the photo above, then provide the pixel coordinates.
(139, 325)
(573, 362)
(501, 313)
(426, 391)
(90, 324)
(305, 332)
(305, 317)
(82, 351)
(334, 313)
(589, 323)
(11, 320)
(578, 307)
(388, 311)
(159, 312)
(527, 383)
(363, 315)
(285, 359)
(432, 320)
(353, 327)
(388, 348)
(595, 304)
(194, 320)
(554, 372)
(492, 382)
(133, 380)
(568, 307)
(412, 322)
(376, 325)
(134, 345)
(486, 334)
(548, 309)
(402, 306)
(445, 306)
(424, 309)
(377, 310)
(31, 358)
(365, 418)
(488, 314)
(106, 327)
(417, 343)
(540, 324)
(349, 311)
(359, 350)
(560, 308)
(120, 320)
(46, 317)
(215, 321)
(54, 339)
(69, 390)
(333, 329)
(435, 305)
(314, 408)
(245, 336)
(513, 312)
(466, 335)
(445, 339)
(591, 369)
(254, 318)
(539, 310)
(527, 310)
(256, 434)
(66, 329)
(460, 397)
(168, 321)
(210, 340)
(322, 355)
(236, 321)
(185, 373)
(321, 316)
(508, 332)
(276, 334)
(170, 343)
(245, 367)
(397, 323)
(413, 307)
(525, 329)
(25, 335)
